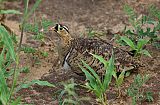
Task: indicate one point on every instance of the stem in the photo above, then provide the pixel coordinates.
(16, 64)
(21, 38)
(103, 99)
(13, 83)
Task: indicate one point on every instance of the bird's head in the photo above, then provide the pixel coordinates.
(63, 33)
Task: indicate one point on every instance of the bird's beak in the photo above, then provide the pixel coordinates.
(52, 29)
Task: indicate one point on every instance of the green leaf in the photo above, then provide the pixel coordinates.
(7, 42)
(101, 59)
(127, 73)
(109, 73)
(4, 91)
(129, 42)
(17, 101)
(93, 72)
(145, 52)
(120, 79)
(33, 8)
(9, 12)
(115, 75)
(41, 83)
(2, 57)
(129, 11)
(141, 43)
(89, 77)
(94, 82)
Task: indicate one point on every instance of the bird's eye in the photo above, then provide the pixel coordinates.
(61, 28)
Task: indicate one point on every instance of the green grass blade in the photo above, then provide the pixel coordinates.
(129, 11)
(2, 58)
(9, 12)
(109, 73)
(17, 101)
(33, 8)
(129, 42)
(4, 92)
(93, 72)
(101, 59)
(7, 42)
(41, 83)
(25, 9)
(141, 43)
(120, 79)
(89, 76)
(93, 84)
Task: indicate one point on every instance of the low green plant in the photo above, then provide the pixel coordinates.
(69, 96)
(28, 84)
(7, 11)
(91, 33)
(149, 96)
(119, 80)
(138, 22)
(135, 91)
(25, 69)
(27, 49)
(9, 60)
(143, 26)
(137, 47)
(44, 54)
(36, 53)
(38, 29)
(8, 54)
(8, 49)
(94, 83)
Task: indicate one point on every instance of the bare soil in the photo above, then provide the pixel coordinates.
(78, 15)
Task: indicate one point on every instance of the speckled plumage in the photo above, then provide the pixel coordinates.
(81, 48)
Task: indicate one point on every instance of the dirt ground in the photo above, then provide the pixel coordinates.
(78, 15)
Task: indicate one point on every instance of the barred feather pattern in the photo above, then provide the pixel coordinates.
(81, 49)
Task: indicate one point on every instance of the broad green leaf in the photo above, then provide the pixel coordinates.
(41, 83)
(93, 73)
(109, 73)
(129, 42)
(9, 12)
(89, 77)
(94, 84)
(141, 43)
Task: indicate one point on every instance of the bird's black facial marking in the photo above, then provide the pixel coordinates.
(66, 28)
(56, 27)
(60, 27)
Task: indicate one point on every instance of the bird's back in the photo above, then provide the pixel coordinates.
(81, 49)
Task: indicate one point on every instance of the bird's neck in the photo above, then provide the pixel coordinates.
(66, 40)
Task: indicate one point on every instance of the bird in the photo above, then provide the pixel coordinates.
(73, 50)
